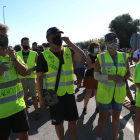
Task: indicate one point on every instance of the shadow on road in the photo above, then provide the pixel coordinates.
(81, 96)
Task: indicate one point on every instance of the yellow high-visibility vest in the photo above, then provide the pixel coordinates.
(107, 90)
(30, 63)
(11, 92)
(66, 82)
(136, 79)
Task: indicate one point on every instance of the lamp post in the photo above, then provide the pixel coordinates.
(3, 14)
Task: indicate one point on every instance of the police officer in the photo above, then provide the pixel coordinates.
(12, 106)
(48, 63)
(111, 71)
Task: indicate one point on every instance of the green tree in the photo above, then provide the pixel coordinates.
(124, 26)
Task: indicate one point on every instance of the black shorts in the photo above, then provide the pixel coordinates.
(17, 122)
(65, 109)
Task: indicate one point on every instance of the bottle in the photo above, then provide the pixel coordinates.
(7, 75)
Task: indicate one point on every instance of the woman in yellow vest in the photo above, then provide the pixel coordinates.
(111, 71)
(136, 80)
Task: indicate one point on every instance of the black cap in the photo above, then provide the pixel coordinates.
(53, 30)
(110, 36)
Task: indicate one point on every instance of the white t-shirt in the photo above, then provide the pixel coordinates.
(136, 55)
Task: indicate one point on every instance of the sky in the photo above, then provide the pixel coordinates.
(80, 20)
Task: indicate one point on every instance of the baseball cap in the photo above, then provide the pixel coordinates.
(110, 36)
(53, 30)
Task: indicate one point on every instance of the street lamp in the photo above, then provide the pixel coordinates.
(3, 14)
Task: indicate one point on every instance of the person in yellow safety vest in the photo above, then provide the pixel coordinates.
(111, 71)
(12, 106)
(29, 82)
(48, 63)
(136, 80)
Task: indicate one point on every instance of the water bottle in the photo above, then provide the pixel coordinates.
(7, 75)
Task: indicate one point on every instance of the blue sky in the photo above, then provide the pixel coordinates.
(80, 20)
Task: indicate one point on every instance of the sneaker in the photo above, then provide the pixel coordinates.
(132, 103)
(84, 111)
(98, 138)
(97, 110)
(37, 116)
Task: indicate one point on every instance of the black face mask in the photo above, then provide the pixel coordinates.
(26, 47)
(57, 40)
(4, 42)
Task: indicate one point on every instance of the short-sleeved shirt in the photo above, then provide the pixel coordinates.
(42, 65)
(136, 74)
(136, 55)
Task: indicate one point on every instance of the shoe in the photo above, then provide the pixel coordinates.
(132, 103)
(84, 111)
(98, 138)
(37, 116)
(97, 109)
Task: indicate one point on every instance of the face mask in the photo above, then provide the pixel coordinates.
(96, 50)
(113, 46)
(57, 40)
(4, 42)
(26, 47)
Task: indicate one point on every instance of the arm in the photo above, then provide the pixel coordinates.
(89, 62)
(21, 69)
(79, 54)
(137, 85)
(40, 76)
(135, 59)
(128, 74)
(102, 77)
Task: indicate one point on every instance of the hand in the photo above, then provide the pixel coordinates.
(11, 53)
(29, 72)
(120, 80)
(3, 68)
(66, 40)
(43, 104)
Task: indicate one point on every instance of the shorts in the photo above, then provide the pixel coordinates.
(90, 83)
(115, 106)
(127, 86)
(17, 122)
(65, 109)
(80, 72)
(29, 83)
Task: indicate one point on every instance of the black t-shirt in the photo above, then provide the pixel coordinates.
(90, 71)
(42, 65)
(25, 56)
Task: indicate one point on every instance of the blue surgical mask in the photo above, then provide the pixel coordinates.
(96, 50)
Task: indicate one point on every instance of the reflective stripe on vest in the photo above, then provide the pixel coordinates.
(103, 65)
(11, 98)
(112, 84)
(55, 74)
(9, 84)
(60, 84)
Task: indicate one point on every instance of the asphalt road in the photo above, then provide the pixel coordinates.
(86, 125)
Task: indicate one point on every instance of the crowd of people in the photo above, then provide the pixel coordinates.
(24, 69)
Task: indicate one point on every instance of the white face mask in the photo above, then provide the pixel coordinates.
(96, 50)
(113, 46)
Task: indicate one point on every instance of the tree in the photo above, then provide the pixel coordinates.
(124, 26)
